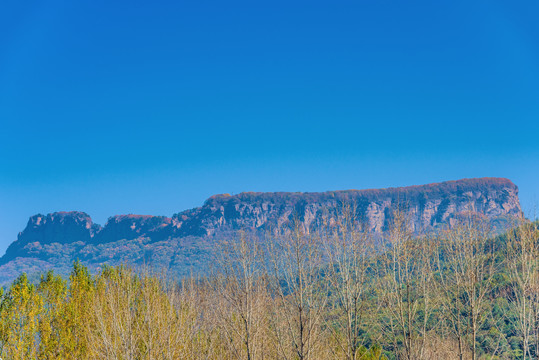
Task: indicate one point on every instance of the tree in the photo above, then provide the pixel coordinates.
(466, 276)
(241, 301)
(115, 308)
(523, 268)
(53, 334)
(78, 312)
(299, 293)
(19, 311)
(349, 252)
(406, 289)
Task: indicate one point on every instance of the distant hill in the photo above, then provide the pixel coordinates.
(185, 241)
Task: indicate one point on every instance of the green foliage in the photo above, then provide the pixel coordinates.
(122, 313)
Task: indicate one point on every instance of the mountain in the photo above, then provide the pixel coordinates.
(185, 241)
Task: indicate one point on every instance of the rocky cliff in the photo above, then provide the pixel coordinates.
(428, 206)
(56, 239)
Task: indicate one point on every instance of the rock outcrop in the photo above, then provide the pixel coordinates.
(59, 227)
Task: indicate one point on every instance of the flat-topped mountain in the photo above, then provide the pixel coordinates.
(185, 240)
(429, 205)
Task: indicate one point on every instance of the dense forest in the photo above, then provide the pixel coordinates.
(335, 292)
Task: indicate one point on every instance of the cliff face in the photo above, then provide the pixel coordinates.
(428, 205)
(134, 226)
(60, 227)
(64, 236)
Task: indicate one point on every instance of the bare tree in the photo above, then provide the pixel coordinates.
(300, 295)
(241, 296)
(115, 306)
(193, 302)
(166, 319)
(406, 289)
(349, 251)
(523, 265)
(466, 279)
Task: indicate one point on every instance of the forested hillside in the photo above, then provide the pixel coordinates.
(334, 293)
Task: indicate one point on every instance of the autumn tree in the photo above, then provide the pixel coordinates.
(78, 316)
(19, 313)
(53, 331)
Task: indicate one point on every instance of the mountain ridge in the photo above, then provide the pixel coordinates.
(67, 235)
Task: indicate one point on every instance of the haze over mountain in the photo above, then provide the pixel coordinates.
(185, 241)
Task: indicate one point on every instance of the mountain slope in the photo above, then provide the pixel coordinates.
(184, 242)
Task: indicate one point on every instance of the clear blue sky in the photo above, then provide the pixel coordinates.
(150, 107)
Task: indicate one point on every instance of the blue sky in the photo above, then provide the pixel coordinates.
(151, 107)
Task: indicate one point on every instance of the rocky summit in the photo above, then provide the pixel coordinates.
(185, 241)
